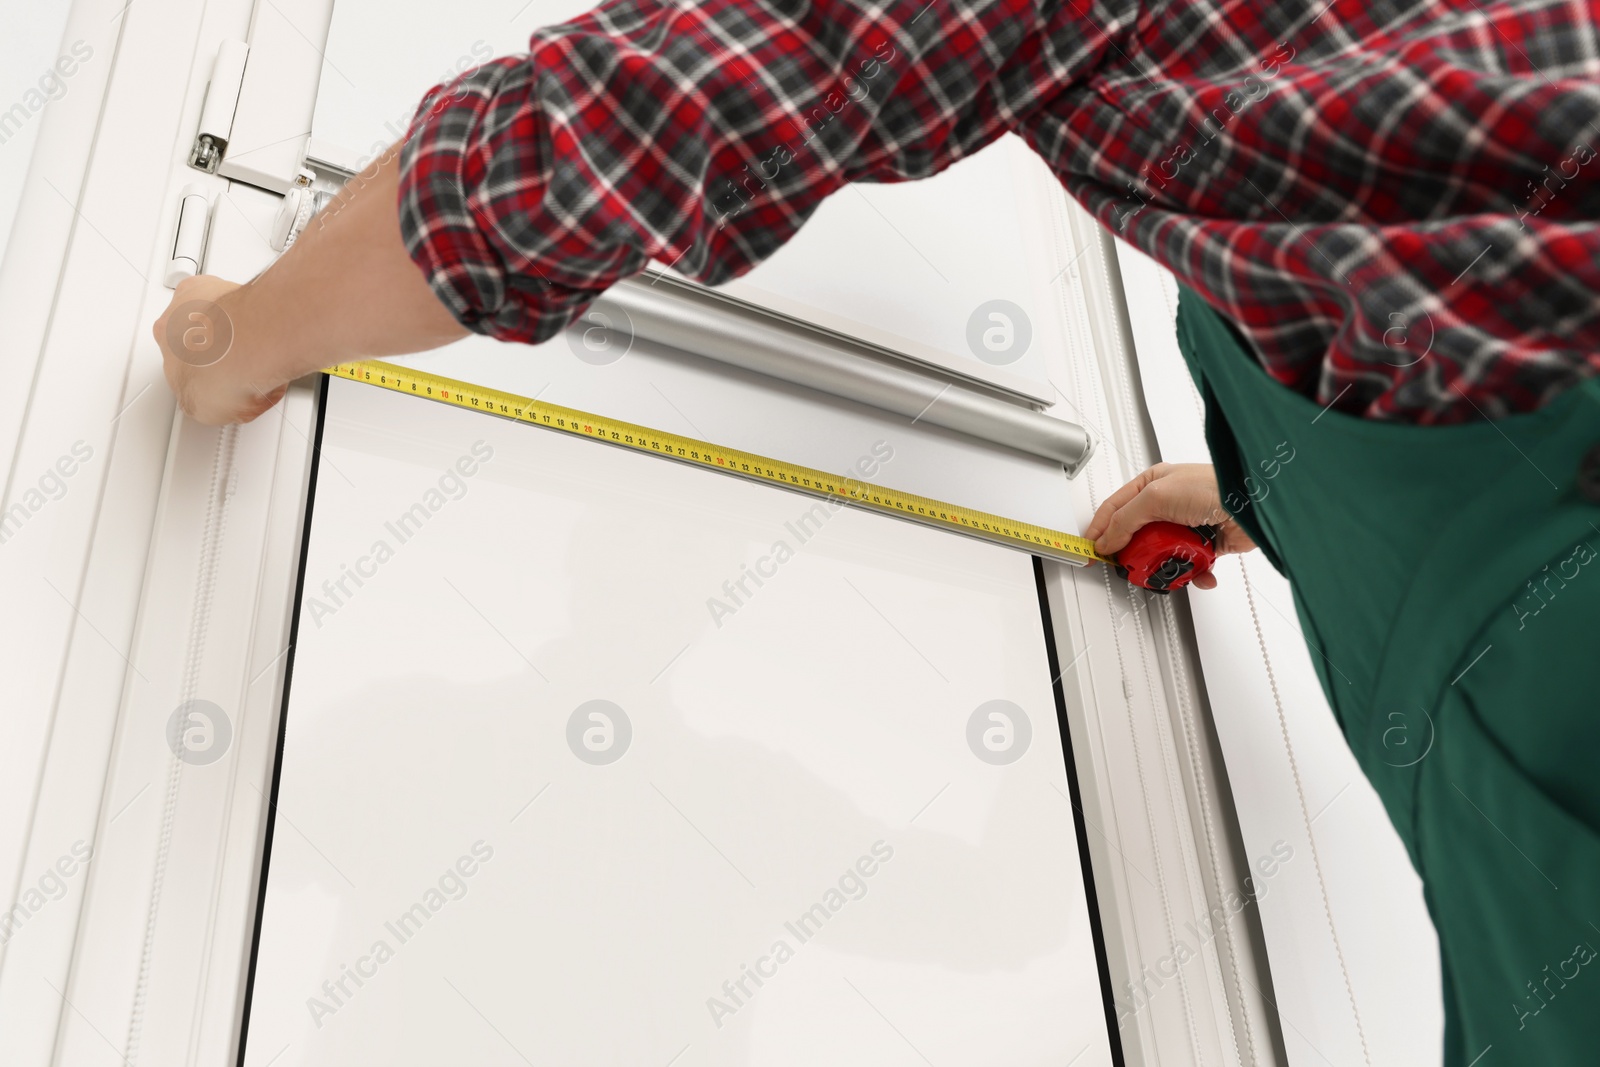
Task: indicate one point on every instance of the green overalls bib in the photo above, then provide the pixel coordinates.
(1450, 578)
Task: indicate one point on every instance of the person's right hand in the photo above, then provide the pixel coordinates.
(1185, 493)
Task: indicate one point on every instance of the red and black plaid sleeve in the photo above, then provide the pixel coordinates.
(701, 136)
(1397, 202)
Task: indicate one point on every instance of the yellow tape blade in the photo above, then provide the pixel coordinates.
(1056, 544)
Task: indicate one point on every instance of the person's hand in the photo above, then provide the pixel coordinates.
(212, 359)
(346, 289)
(1185, 493)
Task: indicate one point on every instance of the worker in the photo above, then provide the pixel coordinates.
(1383, 216)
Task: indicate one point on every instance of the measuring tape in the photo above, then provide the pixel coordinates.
(1040, 540)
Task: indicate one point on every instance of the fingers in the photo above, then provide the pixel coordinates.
(265, 403)
(213, 387)
(1147, 506)
(1184, 493)
(1102, 515)
(1232, 538)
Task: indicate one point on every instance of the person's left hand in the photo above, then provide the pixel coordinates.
(213, 361)
(1184, 493)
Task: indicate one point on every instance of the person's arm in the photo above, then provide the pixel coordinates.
(347, 289)
(1184, 493)
(702, 136)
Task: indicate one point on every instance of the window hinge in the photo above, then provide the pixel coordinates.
(222, 99)
(189, 240)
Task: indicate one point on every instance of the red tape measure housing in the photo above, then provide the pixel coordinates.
(1163, 556)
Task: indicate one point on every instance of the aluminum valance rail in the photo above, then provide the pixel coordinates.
(694, 319)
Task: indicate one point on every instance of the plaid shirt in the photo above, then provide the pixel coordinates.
(1395, 200)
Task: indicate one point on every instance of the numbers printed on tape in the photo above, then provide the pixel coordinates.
(1055, 544)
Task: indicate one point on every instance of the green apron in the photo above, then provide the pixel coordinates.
(1449, 578)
